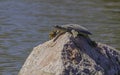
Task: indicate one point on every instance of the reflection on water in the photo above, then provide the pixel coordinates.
(26, 23)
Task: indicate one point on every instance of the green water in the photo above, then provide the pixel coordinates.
(25, 24)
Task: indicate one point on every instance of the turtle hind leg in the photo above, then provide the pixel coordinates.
(91, 42)
(94, 44)
(74, 33)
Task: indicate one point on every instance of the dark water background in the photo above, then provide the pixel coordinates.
(26, 23)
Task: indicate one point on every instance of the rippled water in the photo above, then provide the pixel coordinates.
(26, 23)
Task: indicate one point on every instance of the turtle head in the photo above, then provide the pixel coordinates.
(52, 34)
(57, 27)
(60, 28)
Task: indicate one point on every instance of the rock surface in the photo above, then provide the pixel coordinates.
(72, 56)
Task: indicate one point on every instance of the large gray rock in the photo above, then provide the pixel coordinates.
(72, 56)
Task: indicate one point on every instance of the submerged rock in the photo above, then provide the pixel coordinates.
(70, 55)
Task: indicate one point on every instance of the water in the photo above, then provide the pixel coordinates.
(25, 24)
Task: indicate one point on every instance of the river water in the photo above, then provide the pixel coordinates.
(25, 24)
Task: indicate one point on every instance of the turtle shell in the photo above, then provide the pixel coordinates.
(76, 27)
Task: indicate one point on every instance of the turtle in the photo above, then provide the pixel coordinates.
(74, 29)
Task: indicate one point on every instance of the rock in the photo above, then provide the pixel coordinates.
(72, 56)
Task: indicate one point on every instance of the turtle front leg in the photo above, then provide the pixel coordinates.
(60, 33)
